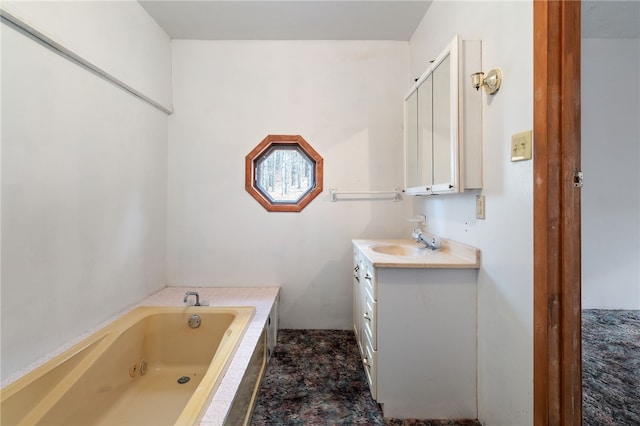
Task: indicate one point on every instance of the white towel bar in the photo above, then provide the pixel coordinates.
(365, 195)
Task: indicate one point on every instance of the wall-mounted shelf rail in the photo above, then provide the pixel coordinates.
(365, 195)
(25, 28)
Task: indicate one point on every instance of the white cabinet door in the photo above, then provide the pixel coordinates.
(443, 128)
(426, 357)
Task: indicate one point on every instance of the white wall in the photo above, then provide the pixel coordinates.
(83, 199)
(505, 283)
(345, 99)
(119, 37)
(610, 162)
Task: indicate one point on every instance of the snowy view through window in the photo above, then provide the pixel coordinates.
(285, 174)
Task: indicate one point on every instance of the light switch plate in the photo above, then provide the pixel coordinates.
(521, 146)
(479, 206)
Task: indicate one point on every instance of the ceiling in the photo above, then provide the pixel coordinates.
(288, 20)
(343, 19)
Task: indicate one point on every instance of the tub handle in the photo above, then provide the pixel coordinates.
(194, 321)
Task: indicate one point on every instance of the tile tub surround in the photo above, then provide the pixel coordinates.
(262, 298)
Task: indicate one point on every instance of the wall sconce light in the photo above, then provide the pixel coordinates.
(491, 82)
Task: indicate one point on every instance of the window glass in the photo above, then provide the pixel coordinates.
(284, 174)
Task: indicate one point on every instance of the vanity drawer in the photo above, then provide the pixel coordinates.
(370, 316)
(370, 363)
(369, 278)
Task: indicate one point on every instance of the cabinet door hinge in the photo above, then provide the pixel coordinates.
(577, 179)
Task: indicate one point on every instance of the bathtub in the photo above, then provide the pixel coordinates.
(148, 367)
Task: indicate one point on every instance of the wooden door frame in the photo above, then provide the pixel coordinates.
(556, 278)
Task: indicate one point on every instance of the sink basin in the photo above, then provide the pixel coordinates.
(400, 250)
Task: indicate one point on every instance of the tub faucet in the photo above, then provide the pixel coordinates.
(192, 293)
(430, 243)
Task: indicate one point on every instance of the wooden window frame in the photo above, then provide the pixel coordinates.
(267, 145)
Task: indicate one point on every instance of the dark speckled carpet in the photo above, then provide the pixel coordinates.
(315, 377)
(610, 367)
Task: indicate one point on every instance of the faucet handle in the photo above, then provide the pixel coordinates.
(417, 233)
(435, 244)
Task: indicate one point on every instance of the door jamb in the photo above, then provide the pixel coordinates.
(556, 278)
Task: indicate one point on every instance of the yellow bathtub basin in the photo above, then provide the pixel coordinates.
(149, 367)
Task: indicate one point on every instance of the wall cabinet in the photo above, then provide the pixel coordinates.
(416, 331)
(443, 124)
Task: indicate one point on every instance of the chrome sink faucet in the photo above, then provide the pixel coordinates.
(192, 293)
(430, 243)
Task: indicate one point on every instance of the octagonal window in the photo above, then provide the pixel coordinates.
(283, 173)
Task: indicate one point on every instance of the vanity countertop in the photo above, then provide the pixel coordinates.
(451, 255)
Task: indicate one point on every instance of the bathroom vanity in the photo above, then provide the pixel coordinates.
(415, 323)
